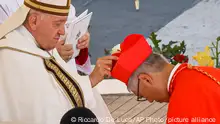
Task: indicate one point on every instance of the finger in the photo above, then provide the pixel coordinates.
(67, 53)
(105, 68)
(65, 58)
(61, 42)
(102, 67)
(106, 62)
(103, 72)
(107, 74)
(109, 58)
(81, 47)
(83, 38)
(87, 45)
(82, 44)
(68, 47)
(59, 45)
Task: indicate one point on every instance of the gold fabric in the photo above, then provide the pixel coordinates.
(47, 8)
(66, 82)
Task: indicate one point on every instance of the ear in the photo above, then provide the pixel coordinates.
(33, 21)
(146, 78)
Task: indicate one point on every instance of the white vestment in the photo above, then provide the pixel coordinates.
(28, 93)
(8, 7)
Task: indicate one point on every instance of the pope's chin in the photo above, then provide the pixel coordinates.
(50, 46)
(54, 42)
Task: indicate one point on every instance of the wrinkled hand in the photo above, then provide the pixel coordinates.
(102, 69)
(65, 50)
(84, 41)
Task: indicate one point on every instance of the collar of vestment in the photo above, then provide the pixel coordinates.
(199, 69)
(21, 40)
(171, 75)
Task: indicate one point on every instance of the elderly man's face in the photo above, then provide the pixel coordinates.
(151, 87)
(47, 29)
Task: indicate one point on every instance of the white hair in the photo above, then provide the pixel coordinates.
(154, 63)
(32, 11)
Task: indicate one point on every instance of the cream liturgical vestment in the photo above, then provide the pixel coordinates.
(35, 87)
(8, 7)
(32, 93)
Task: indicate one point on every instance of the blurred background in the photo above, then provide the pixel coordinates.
(113, 20)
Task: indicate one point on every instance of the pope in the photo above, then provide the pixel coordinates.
(81, 62)
(35, 86)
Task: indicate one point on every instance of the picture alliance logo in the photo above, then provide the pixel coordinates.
(193, 119)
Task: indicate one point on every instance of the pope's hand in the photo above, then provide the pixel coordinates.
(84, 41)
(65, 50)
(102, 69)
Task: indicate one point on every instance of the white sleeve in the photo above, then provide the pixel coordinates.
(4, 13)
(85, 68)
(7, 7)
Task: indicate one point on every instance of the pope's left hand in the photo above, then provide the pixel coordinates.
(84, 41)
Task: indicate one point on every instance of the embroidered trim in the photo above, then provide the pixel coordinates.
(22, 51)
(3, 38)
(189, 66)
(204, 72)
(52, 9)
(69, 85)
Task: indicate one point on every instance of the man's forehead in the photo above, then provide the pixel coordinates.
(56, 18)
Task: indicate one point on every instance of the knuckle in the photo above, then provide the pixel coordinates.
(97, 62)
(61, 53)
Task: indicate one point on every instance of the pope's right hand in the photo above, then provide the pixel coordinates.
(102, 69)
(65, 50)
